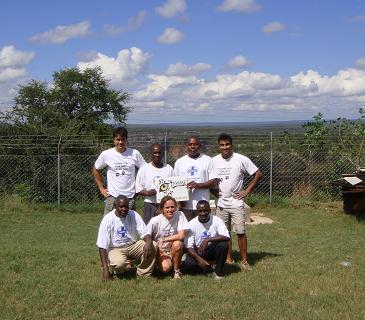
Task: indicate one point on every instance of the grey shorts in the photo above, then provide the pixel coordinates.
(110, 204)
(234, 218)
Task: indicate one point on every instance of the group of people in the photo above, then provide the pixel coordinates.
(170, 230)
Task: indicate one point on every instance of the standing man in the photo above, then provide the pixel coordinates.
(119, 239)
(121, 163)
(200, 173)
(231, 207)
(208, 241)
(147, 181)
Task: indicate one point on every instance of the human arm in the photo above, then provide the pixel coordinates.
(203, 245)
(210, 184)
(200, 261)
(147, 248)
(257, 176)
(105, 274)
(99, 180)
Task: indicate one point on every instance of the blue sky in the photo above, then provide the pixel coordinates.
(197, 60)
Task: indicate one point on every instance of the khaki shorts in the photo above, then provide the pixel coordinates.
(234, 218)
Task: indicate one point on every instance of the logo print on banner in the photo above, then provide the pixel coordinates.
(205, 235)
(122, 232)
(192, 171)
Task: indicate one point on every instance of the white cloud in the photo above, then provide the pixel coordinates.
(228, 96)
(181, 69)
(171, 8)
(63, 33)
(8, 74)
(133, 24)
(239, 5)
(238, 62)
(360, 63)
(10, 57)
(171, 35)
(125, 68)
(273, 27)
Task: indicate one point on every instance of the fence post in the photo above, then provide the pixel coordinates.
(271, 163)
(59, 174)
(165, 147)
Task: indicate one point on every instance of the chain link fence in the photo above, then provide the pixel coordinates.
(58, 170)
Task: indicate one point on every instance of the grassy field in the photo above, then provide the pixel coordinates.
(49, 269)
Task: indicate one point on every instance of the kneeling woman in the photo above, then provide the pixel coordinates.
(168, 229)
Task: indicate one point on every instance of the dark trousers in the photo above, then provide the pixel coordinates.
(215, 251)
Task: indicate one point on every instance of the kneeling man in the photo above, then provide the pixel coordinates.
(207, 241)
(120, 239)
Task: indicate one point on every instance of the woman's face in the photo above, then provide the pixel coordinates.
(169, 209)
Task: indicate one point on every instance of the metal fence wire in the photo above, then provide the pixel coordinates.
(58, 170)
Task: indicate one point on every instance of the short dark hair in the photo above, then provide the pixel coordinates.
(156, 144)
(225, 136)
(192, 137)
(120, 131)
(202, 202)
(120, 198)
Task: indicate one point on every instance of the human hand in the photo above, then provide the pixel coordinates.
(192, 185)
(104, 192)
(105, 274)
(202, 263)
(240, 195)
(203, 246)
(151, 192)
(147, 249)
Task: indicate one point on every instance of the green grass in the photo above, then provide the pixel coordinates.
(49, 269)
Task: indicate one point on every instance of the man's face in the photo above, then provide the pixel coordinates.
(122, 208)
(225, 148)
(203, 210)
(156, 154)
(193, 147)
(120, 143)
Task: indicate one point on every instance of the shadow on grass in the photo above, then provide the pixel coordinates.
(254, 257)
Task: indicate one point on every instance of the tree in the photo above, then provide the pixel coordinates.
(77, 101)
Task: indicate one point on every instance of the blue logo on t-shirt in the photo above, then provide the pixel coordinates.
(192, 171)
(122, 232)
(205, 235)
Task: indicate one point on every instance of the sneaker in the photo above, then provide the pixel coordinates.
(177, 274)
(245, 266)
(217, 277)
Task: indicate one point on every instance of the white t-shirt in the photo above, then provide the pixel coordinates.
(116, 232)
(147, 178)
(231, 173)
(199, 170)
(201, 231)
(121, 170)
(160, 227)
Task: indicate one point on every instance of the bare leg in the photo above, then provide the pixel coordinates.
(242, 244)
(230, 259)
(177, 250)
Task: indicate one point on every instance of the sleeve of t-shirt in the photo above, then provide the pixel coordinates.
(140, 179)
(182, 223)
(149, 227)
(103, 240)
(190, 243)
(221, 227)
(249, 166)
(100, 162)
(140, 160)
(176, 171)
(140, 225)
(212, 170)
